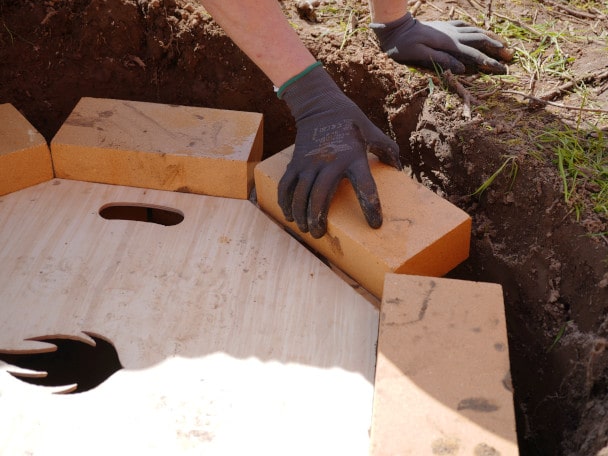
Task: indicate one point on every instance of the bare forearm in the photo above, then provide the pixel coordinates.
(260, 29)
(384, 11)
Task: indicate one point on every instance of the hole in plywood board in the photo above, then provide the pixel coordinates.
(142, 213)
(76, 364)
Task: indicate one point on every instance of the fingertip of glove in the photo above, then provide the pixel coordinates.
(493, 67)
(318, 224)
(302, 226)
(457, 68)
(286, 209)
(393, 161)
(375, 222)
(388, 154)
(373, 215)
(506, 54)
(318, 232)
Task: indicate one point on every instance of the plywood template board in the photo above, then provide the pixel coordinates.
(25, 159)
(422, 233)
(159, 146)
(234, 338)
(442, 380)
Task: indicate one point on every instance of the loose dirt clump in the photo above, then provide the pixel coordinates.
(491, 156)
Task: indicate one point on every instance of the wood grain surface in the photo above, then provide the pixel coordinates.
(234, 338)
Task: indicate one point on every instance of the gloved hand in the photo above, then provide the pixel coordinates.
(332, 140)
(452, 45)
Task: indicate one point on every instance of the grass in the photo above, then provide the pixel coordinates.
(547, 58)
(581, 156)
(10, 33)
(510, 164)
(579, 153)
(14, 35)
(346, 19)
(586, 5)
(539, 46)
(348, 28)
(514, 30)
(558, 337)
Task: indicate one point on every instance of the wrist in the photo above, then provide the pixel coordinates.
(389, 32)
(279, 90)
(314, 93)
(407, 21)
(383, 12)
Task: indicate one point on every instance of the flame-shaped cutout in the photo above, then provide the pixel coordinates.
(70, 362)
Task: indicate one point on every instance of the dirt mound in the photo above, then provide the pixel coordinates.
(524, 236)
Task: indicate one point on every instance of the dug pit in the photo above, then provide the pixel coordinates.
(524, 236)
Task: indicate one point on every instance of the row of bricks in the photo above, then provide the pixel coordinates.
(442, 347)
(214, 152)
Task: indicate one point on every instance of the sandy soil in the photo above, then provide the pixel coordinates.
(551, 265)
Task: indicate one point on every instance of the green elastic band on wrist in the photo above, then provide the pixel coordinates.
(296, 77)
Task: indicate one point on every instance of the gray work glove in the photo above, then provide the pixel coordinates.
(452, 45)
(332, 140)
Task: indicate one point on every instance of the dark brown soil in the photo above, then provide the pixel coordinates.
(553, 268)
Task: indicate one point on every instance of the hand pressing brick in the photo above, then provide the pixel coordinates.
(422, 233)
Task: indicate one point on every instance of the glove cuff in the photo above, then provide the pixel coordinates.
(314, 93)
(385, 31)
(280, 90)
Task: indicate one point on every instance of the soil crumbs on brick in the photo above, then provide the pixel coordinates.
(540, 221)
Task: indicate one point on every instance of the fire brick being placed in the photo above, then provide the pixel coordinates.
(422, 233)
